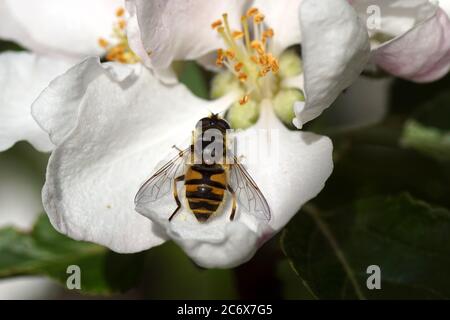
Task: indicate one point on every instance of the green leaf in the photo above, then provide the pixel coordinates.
(194, 77)
(408, 239)
(44, 251)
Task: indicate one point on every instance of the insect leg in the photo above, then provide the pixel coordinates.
(175, 195)
(233, 209)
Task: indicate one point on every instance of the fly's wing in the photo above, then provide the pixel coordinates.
(160, 184)
(247, 192)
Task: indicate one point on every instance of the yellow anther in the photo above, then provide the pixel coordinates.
(120, 12)
(238, 66)
(263, 72)
(119, 50)
(219, 62)
(237, 35)
(255, 44)
(252, 11)
(244, 100)
(258, 18)
(122, 24)
(230, 54)
(263, 59)
(103, 42)
(216, 24)
(220, 57)
(269, 33)
(242, 77)
(275, 66)
(247, 60)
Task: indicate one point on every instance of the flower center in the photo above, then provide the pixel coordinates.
(246, 54)
(119, 50)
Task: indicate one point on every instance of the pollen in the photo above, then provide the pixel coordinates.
(238, 66)
(118, 49)
(102, 42)
(244, 100)
(216, 24)
(242, 77)
(237, 35)
(247, 51)
(252, 11)
(120, 12)
(259, 18)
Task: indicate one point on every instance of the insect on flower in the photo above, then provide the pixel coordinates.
(206, 176)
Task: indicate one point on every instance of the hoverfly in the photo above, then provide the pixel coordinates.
(206, 181)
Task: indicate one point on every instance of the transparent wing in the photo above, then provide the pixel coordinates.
(160, 184)
(247, 192)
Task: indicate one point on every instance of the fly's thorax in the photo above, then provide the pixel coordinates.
(210, 141)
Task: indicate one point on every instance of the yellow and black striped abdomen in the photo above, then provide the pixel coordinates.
(205, 188)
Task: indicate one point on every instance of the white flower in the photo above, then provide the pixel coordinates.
(409, 39)
(118, 122)
(330, 64)
(58, 34)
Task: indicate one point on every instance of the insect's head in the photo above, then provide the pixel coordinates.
(212, 122)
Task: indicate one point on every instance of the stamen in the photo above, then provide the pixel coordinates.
(242, 77)
(122, 24)
(246, 32)
(119, 50)
(103, 42)
(230, 54)
(216, 24)
(258, 18)
(244, 100)
(250, 61)
(252, 11)
(238, 66)
(120, 12)
(237, 35)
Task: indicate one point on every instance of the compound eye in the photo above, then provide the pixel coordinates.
(202, 123)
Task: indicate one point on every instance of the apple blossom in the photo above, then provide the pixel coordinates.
(58, 38)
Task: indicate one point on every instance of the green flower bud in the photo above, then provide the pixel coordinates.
(223, 83)
(290, 64)
(243, 116)
(283, 104)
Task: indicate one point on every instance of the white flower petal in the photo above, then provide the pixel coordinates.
(283, 17)
(396, 17)
(69, 28)
(24, 75)
(335, 49)
(290, 168)
(58, 122)
(418, 48)
(422, 54)
(179, 30)
(445, 5)
(109, 150)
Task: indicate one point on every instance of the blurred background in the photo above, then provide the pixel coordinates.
(387, 203)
